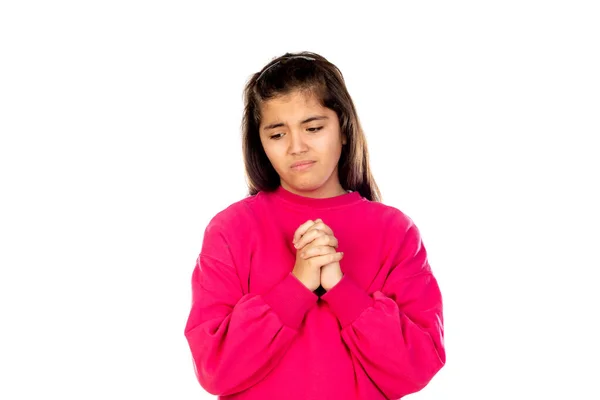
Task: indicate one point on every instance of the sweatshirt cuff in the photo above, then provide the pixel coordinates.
(290, 300)
(347, 300)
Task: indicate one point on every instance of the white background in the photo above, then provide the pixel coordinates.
(120, 139)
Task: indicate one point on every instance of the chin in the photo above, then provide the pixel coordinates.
(304, 186)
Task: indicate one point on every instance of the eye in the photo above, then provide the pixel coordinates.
(280, 135)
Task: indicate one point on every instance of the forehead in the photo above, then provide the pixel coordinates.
(290, 106)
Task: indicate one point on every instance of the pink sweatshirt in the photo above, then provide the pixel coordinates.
(256, 332)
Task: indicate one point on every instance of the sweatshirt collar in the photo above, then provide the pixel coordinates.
(328, 202)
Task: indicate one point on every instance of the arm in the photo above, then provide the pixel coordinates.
(237, 338)
(396, 334)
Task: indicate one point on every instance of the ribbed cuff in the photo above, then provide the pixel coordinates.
(291, 300)
(347, 300)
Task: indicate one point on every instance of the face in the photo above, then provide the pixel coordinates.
(297, 128)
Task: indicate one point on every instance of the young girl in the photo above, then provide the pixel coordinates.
(311, 287)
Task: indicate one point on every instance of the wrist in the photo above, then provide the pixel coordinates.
(329, 285)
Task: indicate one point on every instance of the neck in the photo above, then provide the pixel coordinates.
(319, 193)
(340, 198)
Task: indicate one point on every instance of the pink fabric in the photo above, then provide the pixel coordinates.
(256, 332)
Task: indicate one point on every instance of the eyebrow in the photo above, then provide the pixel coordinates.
(310, 119)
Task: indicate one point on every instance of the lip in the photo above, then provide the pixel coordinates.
(300, 165)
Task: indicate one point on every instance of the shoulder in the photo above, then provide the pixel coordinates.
(401, 237)
(227, 236)
(228, 229)
(389, 216)
(233, 218)
(398, 229)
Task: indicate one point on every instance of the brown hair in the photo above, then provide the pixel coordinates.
(313, 73)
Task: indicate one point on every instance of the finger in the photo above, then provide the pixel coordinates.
(324, 240)
(321, 261)
(319, 224)
(317, 237)
(314, 251)
(302, 230)
(308, 237)
(330, 241)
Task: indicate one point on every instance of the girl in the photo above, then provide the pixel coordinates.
(311, 287)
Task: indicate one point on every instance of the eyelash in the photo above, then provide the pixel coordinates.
(316, 129)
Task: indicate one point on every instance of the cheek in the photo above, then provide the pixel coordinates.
(274, 157)
(267, 149)
(334, 147)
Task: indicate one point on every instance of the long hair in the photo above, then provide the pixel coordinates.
(310, 72)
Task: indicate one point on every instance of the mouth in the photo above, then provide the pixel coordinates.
(302, 165)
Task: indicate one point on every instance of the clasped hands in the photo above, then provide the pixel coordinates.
(317, 260)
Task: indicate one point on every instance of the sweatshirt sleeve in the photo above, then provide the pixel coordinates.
(237, 338)
(397, 334)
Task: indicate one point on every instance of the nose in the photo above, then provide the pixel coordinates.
(297, 144)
